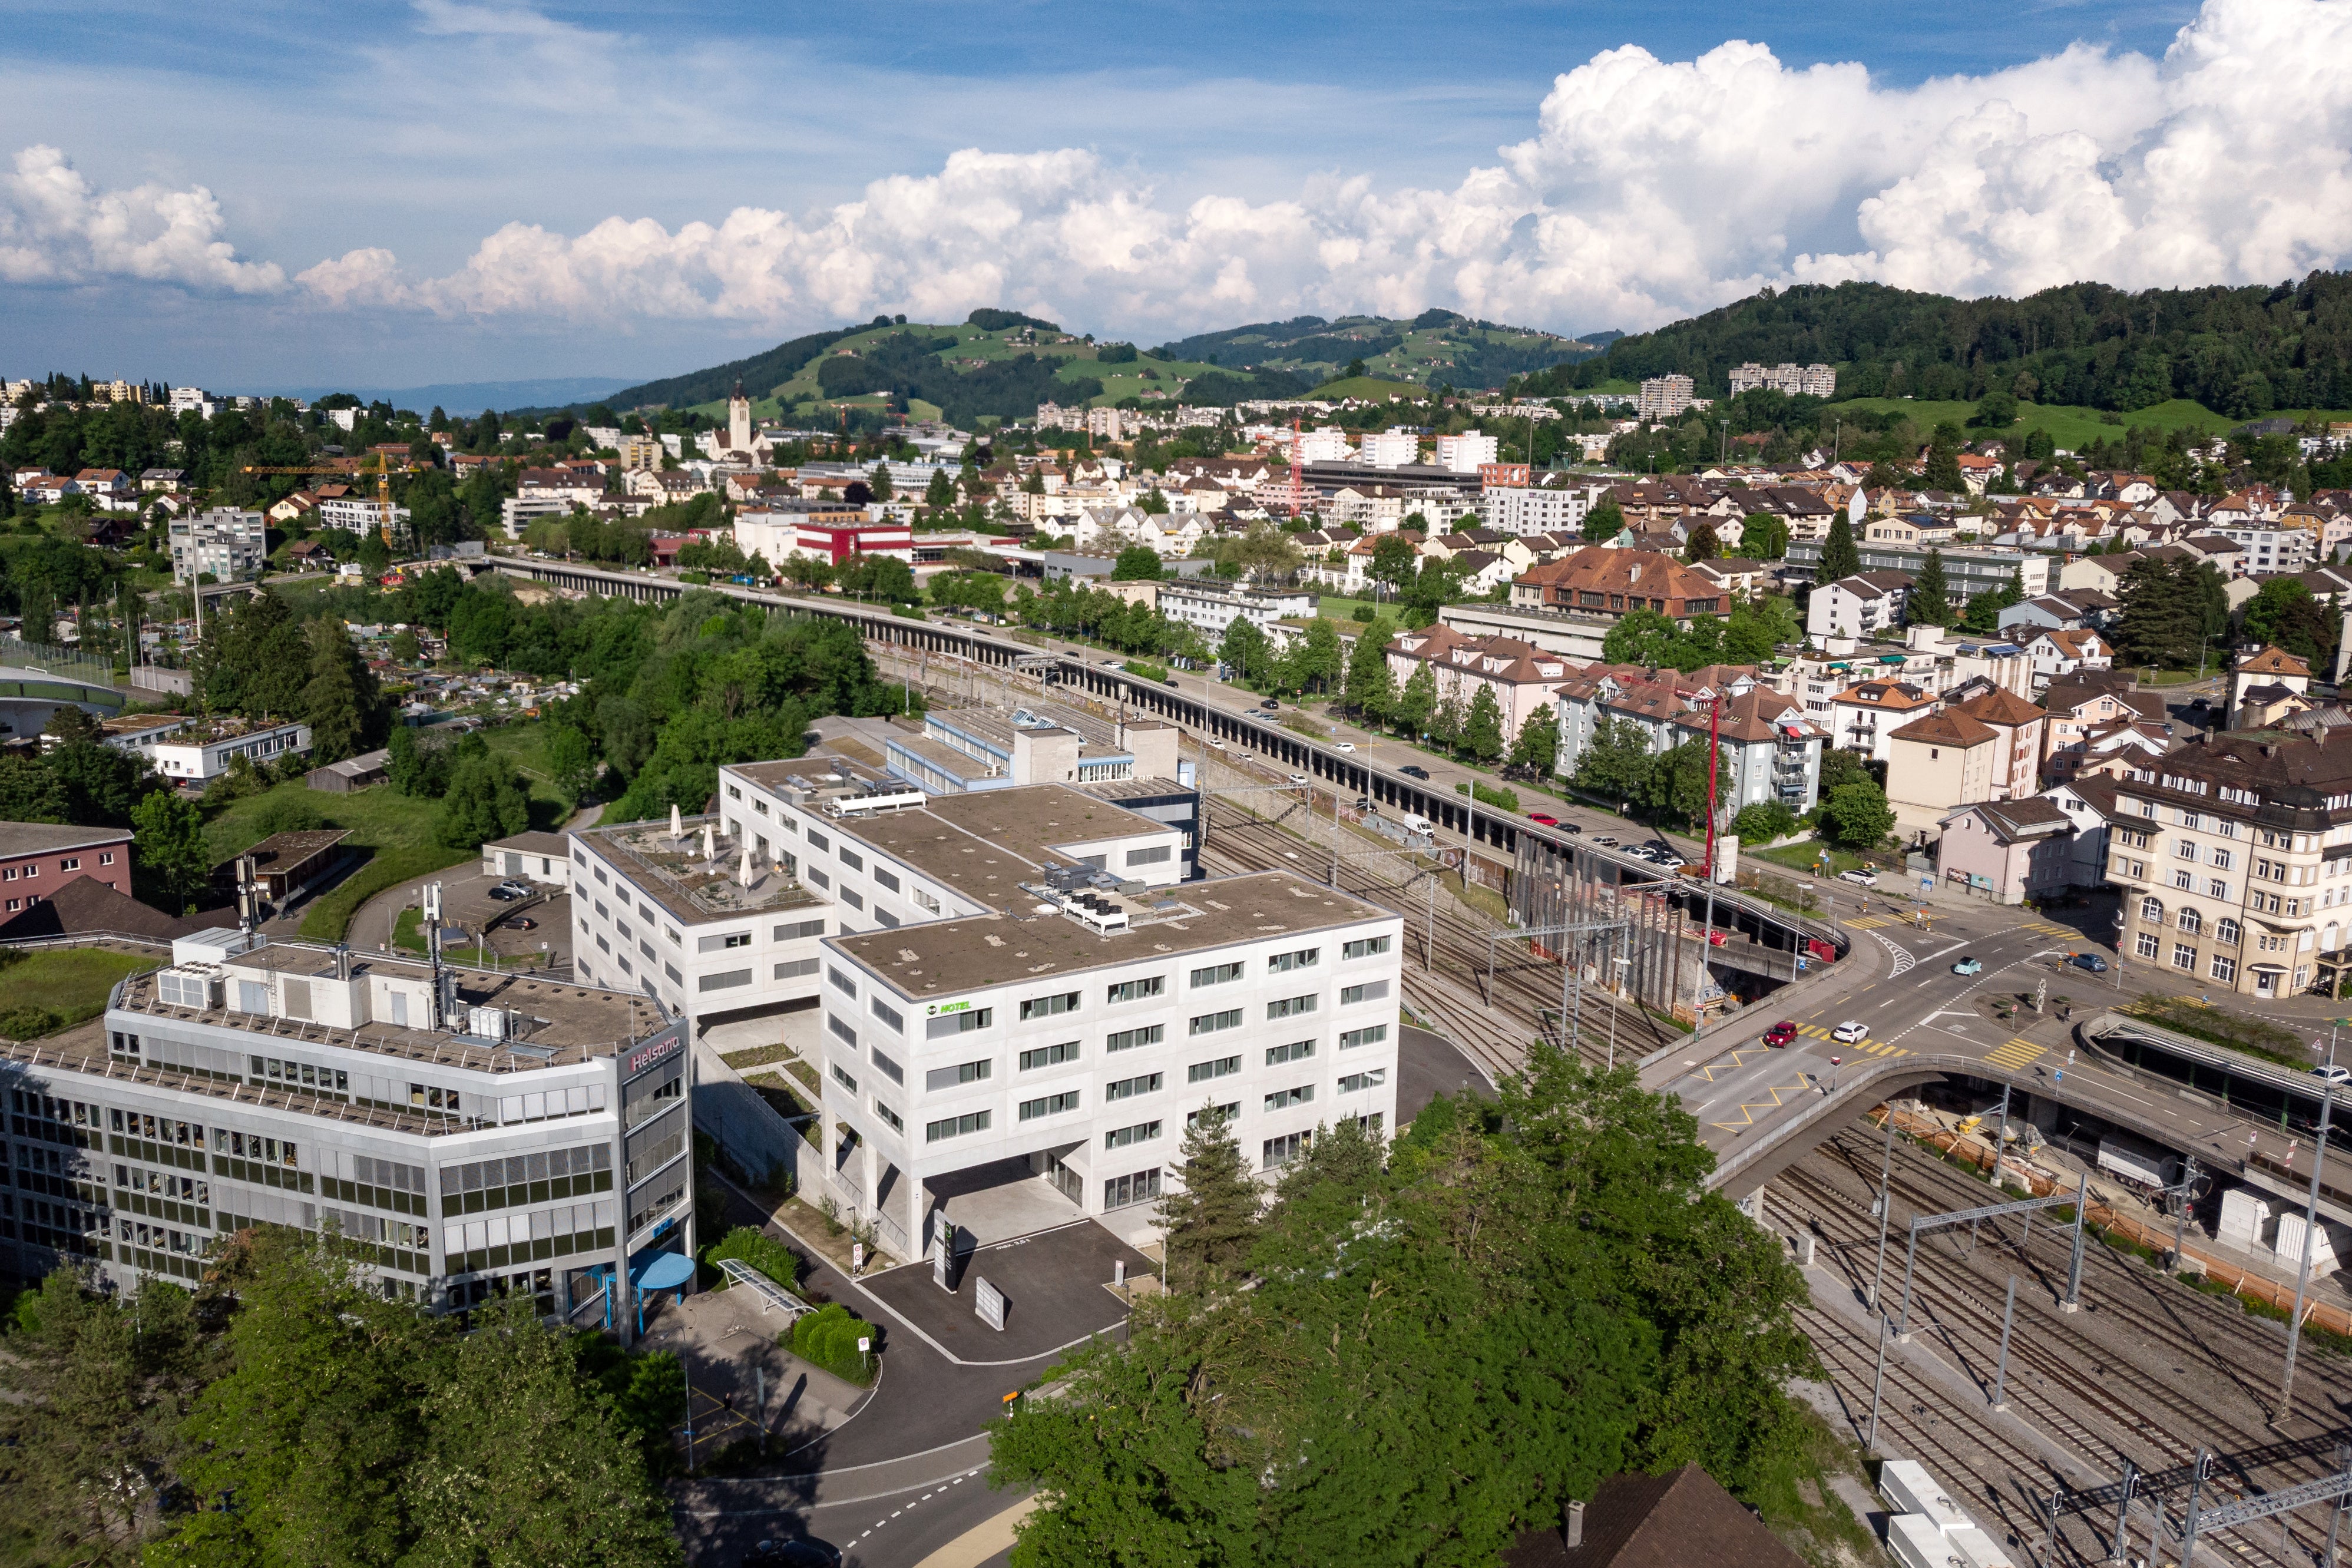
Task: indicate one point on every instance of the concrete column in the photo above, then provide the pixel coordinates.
(869, 1175)
(912, 1186)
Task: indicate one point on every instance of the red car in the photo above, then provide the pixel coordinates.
(1781, 1033)
(1547, 821)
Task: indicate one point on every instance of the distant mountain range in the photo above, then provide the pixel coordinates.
(1000, 362)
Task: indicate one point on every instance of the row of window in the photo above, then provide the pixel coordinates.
(31, 871)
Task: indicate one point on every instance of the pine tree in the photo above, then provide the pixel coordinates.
(1703, 545)
(1930, 603)
(1210, 1218)
(341, 703)
(1839, 559)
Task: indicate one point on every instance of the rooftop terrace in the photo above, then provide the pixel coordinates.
(692, 885)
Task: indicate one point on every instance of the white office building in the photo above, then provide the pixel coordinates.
(1390, 449)
(200, 753)
(484, 1132)
(361, 515)
(1213, 608)
(1468, 452)
(230, 543)
(1535, 509)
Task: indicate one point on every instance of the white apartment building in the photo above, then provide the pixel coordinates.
(1468, 452)
(517, 514)
(1394, 448)
(1213, 608)
(1535, 509)
(1324, 444)
(361, 515)
(230, 543)
(2235, 856)
(187, 399)
(201, 755)
(1867, 604)
(1796, 380)
(467, 1131)
(2270, 546)
(1663, 397)
(1266, 999)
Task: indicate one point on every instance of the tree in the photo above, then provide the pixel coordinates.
(1996, 410)
(878, 482)
(2284, 614)
(1676, 782)
(1703, 545)
(1541, 1289)
(1944, 469)
(1152, 502)
(1644, 636)
(571, 760)
(168, 858)
(1929, 603)
(1370, 691)
(405, 648)
(1839, 559)
(344, 704)
(939, 495)
(1416, 703)
(100, 783)
(1537, 745)
(1319, 659)
(2165, 618)
(1211, 1216)
(29, 792)
(1857, 816)
(1763, 536)
(1838, 769)
(1138, 564)
(484, 800)
(1482, 725)
(1244, 647)
(1605, 521)
(1616, 760)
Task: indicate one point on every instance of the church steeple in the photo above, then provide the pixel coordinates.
(738, 420)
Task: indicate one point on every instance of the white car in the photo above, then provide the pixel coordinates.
(1345, 746)
(1299, 779)
(1215, 744)
(2331, 1073)
(1859, 879)
(1849, 1033)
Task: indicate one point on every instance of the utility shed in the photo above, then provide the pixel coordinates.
(1655, 1522)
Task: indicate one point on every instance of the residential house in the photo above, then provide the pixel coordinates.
(2089, 803)
(1737, 576)
(1523, 678)
(2079, 701)
(2056, 653)
(2008, 852)
(2265, 684)
(1608, 583)
(1862, 605)
(1864, 716)
(1771, 749)
(1986, 748)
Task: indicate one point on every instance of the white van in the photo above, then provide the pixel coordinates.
(1417, 824)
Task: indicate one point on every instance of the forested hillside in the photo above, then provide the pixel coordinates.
(2240, 352)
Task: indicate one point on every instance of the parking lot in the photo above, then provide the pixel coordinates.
(1055, 1285)
(467, 905)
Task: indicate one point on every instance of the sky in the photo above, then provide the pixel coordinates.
(282, 193)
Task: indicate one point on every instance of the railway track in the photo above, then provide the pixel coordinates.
(1497, 1016)
(2085, 1380)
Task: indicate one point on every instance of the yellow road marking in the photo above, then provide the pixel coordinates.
(1748, 1112)
(2016, 1053)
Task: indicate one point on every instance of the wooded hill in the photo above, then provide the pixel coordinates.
(2240, 352)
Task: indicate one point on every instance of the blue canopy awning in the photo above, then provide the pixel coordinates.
(660, 1270)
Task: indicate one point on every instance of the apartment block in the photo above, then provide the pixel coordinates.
(2234, 855)
(227, 543)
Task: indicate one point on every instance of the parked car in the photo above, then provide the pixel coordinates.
(1605, 841)
(2090, 961)
(505, 895)
(520, 922)
(1413, 770)
(1545, 818)
(1968, 966)
(1850, 1032)
(1859, 879)
(1781, 1033)
(518, 885)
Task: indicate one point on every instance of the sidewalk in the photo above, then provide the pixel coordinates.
(727, 1342)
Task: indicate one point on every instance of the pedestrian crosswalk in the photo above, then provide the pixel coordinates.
(2017, 1053)
(2046, 929)
(1871, 1048)
(1870, 922)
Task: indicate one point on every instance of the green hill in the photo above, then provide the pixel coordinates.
(2240, 353)
(1437, 347)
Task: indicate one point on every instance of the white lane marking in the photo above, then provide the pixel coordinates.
(1903, 959)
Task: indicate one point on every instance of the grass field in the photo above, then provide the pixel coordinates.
(70, 984)
(1369, 387)
(397, 828)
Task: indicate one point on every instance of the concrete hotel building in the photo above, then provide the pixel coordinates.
(511, 1133)
(2235, 860)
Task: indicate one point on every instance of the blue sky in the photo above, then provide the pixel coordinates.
(298, 194)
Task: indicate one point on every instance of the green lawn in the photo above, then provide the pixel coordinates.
(1369, 387)
(1804, 856)
(398, 829)
(70, 983)
(1334, 608)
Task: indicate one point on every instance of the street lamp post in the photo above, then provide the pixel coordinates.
(1615, 1002)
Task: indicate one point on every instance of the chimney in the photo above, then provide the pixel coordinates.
(1571, 1529)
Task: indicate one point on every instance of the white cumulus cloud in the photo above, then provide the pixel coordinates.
(1648, 189)
(56, 227)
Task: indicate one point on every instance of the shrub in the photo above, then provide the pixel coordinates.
(761, 1251)
(828, 1338)
(285, 814)
(1508, 800)
(1763, 822)
(29, 1023)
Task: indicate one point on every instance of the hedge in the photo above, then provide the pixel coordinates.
(761, 1250)
(329, 919)
(828, 1338)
